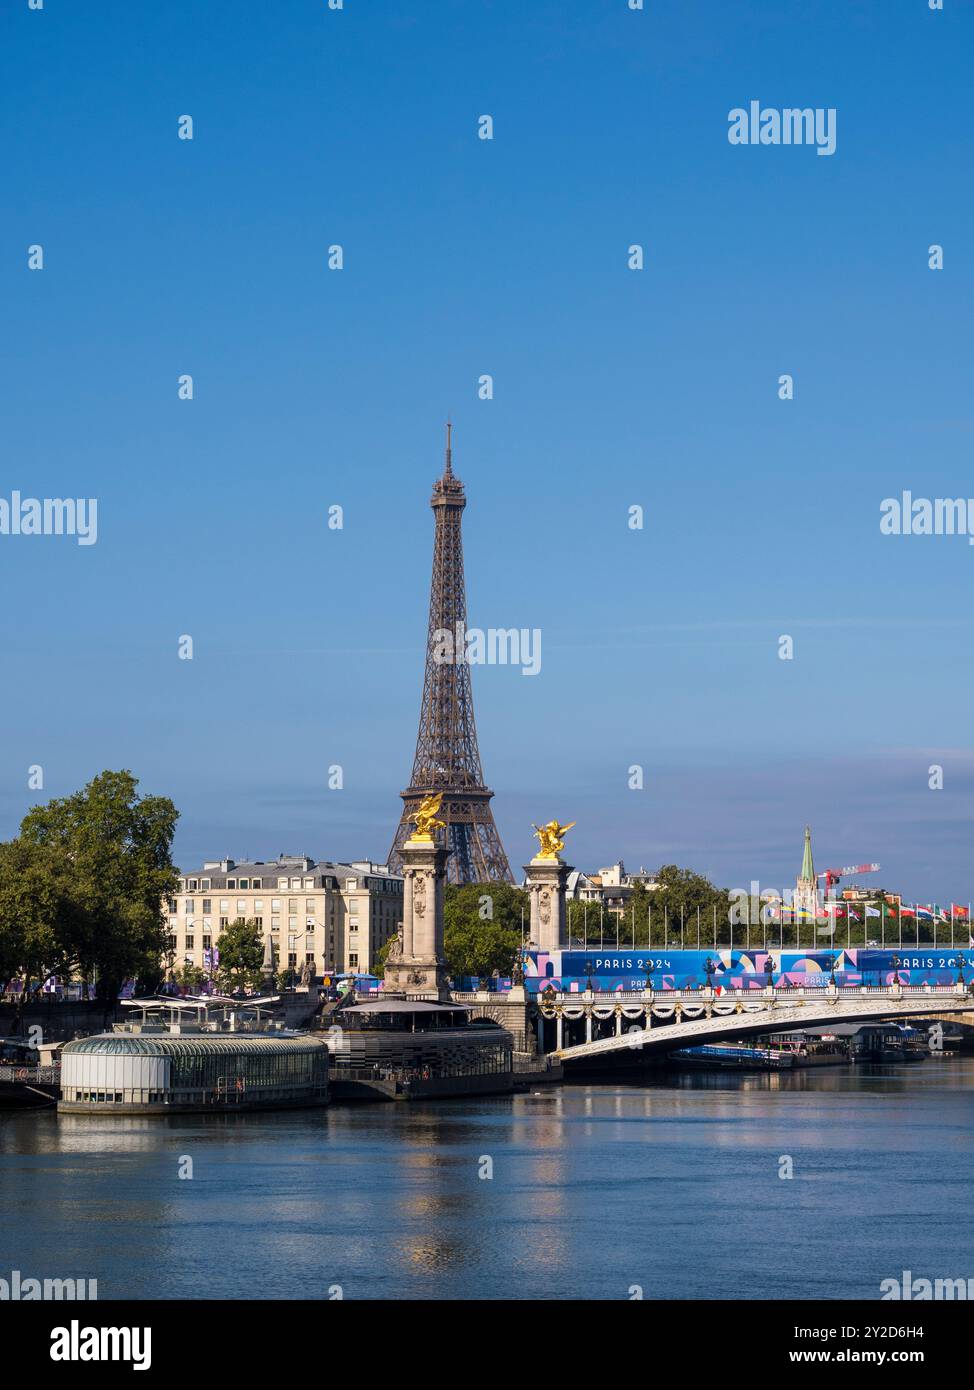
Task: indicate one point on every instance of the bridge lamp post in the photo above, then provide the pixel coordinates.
(896, 963)
(709, 969)
(769, 969)
(960, 971)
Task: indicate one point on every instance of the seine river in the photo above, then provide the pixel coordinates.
(578, 1192)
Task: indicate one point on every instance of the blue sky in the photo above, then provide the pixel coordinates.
(612, 388)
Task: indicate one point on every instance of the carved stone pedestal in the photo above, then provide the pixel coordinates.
(546, 886)
(417, 966)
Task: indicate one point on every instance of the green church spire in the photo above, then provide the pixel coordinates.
(808, 868)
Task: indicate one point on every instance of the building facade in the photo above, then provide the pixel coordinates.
(337, 917)
(611, 886)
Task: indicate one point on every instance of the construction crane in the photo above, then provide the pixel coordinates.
(832, 876)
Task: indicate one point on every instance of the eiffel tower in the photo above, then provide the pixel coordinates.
(447, 757)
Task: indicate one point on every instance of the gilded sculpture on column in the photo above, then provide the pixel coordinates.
(552, 838)
(426, 819)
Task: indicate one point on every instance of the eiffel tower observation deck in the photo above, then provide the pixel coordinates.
(447, 760)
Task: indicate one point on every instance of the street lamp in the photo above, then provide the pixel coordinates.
(769, 969)
(896, 963)
(709, 969)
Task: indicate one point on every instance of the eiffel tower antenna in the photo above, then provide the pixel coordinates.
(447, 758)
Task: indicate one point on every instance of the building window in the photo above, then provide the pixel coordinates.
(256, 883)
(275, 923)
(188, 908)
(231, 883)
(224, 923)
(258, 904)
(309, 904)
(207, 906)
(189, 943)
(224, 904)
(258, 921)
(207, 942)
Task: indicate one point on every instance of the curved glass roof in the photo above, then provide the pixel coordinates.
(190, 1045)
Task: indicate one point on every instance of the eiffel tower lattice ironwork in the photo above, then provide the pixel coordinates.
(447, 757)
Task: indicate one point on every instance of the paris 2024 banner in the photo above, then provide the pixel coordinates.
(613, 970)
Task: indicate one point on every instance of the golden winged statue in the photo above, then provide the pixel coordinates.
(425, 817)
(552, 838)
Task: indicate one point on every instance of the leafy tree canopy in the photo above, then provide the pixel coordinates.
(482, 927)
(241, 955)
(104, 855)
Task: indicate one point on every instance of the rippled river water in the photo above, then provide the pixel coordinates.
(673, 1186)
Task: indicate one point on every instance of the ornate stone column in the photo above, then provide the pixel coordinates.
(418, 966)
(547, 875)
(546, 879)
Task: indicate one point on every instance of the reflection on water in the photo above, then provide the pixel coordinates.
(670, 1183)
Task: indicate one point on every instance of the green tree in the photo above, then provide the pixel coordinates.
(190, 977)
(380, 958)
(241, 955)
(39, 918)
(113, 849)
(590, 921)
(680, 895)
(482, 927)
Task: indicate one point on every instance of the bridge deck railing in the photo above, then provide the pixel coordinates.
(733, 992)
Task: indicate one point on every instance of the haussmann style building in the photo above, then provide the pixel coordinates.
(335, 917)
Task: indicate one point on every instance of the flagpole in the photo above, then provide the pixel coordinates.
(698, 926)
